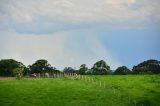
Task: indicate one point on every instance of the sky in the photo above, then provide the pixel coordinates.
(69, 33)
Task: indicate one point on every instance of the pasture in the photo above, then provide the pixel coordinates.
(144, 89)
(55, 92)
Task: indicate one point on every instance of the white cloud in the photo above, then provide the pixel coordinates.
(39, 14)
(60, 49)
(120, 3)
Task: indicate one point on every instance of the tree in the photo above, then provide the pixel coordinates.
(26, 70)
(82, 70)
(69, 70)
(8, 65)
(41, 66)
(149, 66)
(89, 71)
(101, 67)
(123, 70)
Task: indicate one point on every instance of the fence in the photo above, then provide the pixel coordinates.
(102, 84)
(51, 75)
(91, 80)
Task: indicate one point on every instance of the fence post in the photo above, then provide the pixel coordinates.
(100, 84)
(39, 75)
(57, 75)
(92, 81)
(52, 74)
(43, 75)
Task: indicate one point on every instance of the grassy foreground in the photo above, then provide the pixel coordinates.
(144, 89)
(55, 92)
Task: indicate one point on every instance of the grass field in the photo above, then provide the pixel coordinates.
(55, 92)
(145, 89)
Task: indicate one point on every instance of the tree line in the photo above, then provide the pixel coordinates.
(11, 67)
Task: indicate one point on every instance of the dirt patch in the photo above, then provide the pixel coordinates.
(7, 78)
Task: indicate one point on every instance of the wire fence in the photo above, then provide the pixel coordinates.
(102, 84)
(90, 80)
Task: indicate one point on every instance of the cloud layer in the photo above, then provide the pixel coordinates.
(48, 16)
(63, 31)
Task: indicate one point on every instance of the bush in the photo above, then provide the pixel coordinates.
(18, 73)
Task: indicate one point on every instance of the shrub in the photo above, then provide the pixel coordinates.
(18, 73)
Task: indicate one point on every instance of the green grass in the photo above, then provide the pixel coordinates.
(55, 92)
(145, 89)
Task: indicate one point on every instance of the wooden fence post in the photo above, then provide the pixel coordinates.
(100, 83)
(92, 81)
